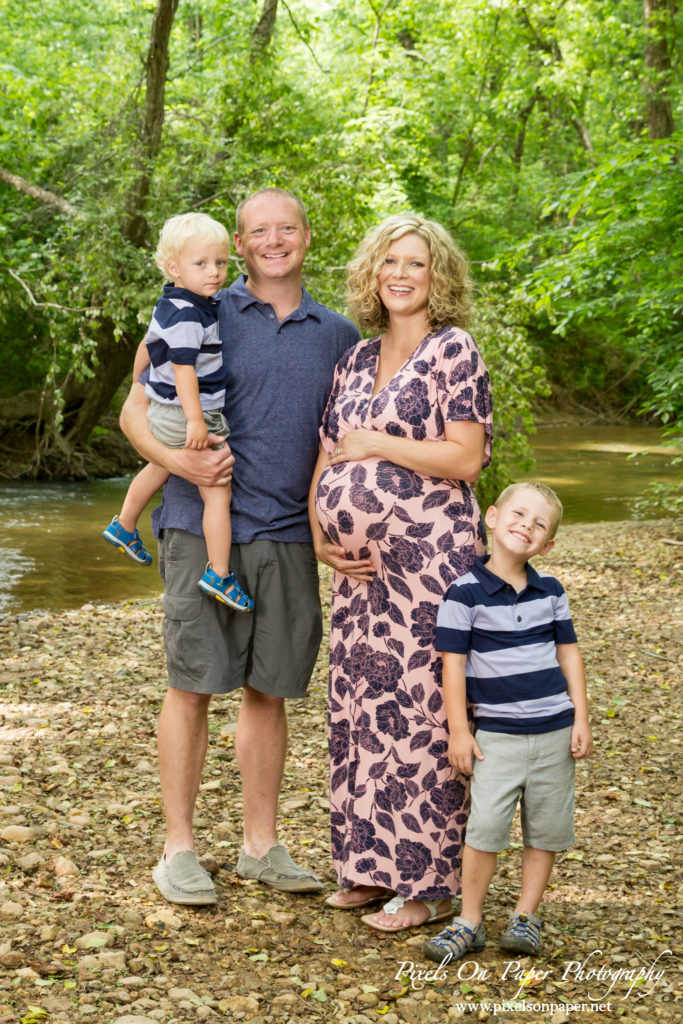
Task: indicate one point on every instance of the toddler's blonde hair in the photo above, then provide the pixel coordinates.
(178, 230)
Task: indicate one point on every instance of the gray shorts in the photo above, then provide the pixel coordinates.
(168, 423)
(535, 769)
(212, 649)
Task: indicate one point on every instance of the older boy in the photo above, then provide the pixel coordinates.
(509, 648)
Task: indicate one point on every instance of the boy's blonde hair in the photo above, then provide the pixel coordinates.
(177, 231)
(534, 485)
(450, 285)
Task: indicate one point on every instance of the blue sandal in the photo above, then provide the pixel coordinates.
(225, 589)
(129, 543)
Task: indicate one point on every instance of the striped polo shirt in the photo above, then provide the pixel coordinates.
(514, 681)
(184, 331)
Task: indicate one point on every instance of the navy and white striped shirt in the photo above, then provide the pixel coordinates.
(514, 680)
(184, 331)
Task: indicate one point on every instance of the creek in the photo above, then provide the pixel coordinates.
(53, 557)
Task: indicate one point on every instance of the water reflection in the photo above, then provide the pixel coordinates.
(52, 555)
(597, 471)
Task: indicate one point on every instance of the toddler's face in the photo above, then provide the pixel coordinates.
(201, 267)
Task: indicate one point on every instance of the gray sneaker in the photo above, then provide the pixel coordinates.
(277, 869)
(184, 880)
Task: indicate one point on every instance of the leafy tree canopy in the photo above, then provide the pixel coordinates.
(541, 134)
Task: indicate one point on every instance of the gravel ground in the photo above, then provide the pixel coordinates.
(84, 934)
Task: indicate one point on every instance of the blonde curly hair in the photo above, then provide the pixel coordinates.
(450, 285)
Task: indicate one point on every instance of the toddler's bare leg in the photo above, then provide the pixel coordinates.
(217, 528)
(478, 868)
(142, 489)
(536, 868)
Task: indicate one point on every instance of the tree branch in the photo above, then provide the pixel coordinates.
(304, 41)
(42, 195)
(51, 305)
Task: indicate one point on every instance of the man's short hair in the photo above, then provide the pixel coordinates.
(268, 191)
(178, 230)
(535, 485)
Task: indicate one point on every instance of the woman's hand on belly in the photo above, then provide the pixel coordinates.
(335, 556)
(355, 446)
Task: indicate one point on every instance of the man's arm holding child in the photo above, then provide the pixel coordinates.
(205, 468)
(571, 663)
(462, 744)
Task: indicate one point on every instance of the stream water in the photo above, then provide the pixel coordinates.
(52, 555)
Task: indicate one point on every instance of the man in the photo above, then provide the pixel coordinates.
(280, 348)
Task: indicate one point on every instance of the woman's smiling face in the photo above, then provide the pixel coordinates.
(403, 282)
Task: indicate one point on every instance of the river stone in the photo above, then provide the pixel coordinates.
(102, 961)
(31, 862)
(162, 919)
(238, 1004)
(11, 910)
(7, 781)
(133, 1018)
(17, 834)
(95, 940)
(64, 868)
(179, 994)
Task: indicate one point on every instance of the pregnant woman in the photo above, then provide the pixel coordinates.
(405, 435)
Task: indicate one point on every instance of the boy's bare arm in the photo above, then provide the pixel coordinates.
(571, 663)
(187, 386)
(462, 744)
(207, 468)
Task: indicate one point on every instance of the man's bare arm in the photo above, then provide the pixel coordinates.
(205, 468)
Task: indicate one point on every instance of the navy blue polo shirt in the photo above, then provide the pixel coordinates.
(279, 376)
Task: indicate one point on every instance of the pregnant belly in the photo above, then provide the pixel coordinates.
(347, 508)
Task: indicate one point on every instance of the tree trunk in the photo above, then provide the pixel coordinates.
(659, 17)
(35, 442)
(263, 31)
(134, 226)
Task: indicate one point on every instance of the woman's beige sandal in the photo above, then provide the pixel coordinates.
(396, 905)
(366, 901)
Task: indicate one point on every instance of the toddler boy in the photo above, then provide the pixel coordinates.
(186, 388)
(509, 649)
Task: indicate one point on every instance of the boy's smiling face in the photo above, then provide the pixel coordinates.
(524, 525)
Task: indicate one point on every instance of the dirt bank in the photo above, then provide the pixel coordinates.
(84, 935)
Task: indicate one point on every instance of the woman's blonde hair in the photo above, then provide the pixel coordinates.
(177, 231)
(450, 285)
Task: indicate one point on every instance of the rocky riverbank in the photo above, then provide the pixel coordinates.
(84, 934)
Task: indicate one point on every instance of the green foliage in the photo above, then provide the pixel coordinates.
(517, 384)
(519, 126)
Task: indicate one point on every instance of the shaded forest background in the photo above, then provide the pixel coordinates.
(542, 134)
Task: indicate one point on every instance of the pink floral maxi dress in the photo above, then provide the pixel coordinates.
(398, 810)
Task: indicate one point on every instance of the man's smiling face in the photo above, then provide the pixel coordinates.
(273, 241)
